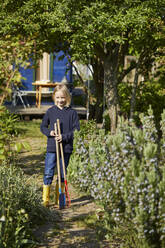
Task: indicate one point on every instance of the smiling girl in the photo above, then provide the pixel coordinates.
(69, 122)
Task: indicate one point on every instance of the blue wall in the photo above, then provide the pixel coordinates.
(60, 68)
(28, 74)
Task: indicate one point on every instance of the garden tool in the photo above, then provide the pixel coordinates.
(68, 202)
(61, 195)
(57, 191)
(46, 195)
(63, 187)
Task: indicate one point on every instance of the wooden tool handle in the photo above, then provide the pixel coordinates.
(58, 158)
(61, 149)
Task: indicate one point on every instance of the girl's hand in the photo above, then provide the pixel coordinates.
(58, 138)
(52, 133)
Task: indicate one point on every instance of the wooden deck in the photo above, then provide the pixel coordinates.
(36, 112)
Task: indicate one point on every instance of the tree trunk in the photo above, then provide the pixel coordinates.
(133, 97)
(99, 103)
(98, 77)
(110, 87)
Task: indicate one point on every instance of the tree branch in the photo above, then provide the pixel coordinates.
(78, 74)
(126, 71)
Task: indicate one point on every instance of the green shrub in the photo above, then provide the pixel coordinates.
(8, 131)
(125, 173)
(20, 208)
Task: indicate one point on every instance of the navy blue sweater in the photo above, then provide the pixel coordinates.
(69, 121)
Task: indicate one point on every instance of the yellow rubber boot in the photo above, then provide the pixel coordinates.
(46, 195)
(56, 194)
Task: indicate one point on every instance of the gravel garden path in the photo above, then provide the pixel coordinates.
(67, 227)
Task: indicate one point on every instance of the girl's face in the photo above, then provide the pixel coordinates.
(60, 99)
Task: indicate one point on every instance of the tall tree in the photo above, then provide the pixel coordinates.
(104, 31)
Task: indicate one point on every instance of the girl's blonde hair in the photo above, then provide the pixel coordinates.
(64, 89)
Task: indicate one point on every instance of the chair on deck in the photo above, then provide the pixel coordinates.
(19, 94)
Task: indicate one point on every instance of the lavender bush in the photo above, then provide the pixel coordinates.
(125, 172)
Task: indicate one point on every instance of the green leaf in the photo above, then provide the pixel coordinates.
(18, 147)
(2, 151)
(27, 146)
(2, 157)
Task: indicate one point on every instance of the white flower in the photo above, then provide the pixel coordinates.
(2, 218)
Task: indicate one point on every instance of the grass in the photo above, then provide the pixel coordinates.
(29, 129)
(29, 132)
(123, 236)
